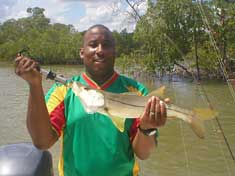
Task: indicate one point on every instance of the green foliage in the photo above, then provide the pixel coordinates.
(164, 33)
(125, 43)
(182, 31)
(179, 32)
(47, 43)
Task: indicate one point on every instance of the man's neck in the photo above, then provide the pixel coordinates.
(100, 79)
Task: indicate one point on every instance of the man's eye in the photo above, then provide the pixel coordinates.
(93, 45)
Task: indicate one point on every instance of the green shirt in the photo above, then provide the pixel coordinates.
(91, 144)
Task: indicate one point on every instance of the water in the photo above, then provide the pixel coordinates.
(179, 151)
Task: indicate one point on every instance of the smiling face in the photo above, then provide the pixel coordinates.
(98, 52)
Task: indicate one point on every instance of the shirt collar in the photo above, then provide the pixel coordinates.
(104, 86)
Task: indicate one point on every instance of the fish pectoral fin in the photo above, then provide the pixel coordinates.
(158, 92)
(118, 122)
(205, 113)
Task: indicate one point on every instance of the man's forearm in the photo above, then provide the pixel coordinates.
(143, 145)
(38, 121)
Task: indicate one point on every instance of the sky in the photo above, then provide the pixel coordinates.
(80, 13)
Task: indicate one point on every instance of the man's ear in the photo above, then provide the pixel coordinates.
(81, 53)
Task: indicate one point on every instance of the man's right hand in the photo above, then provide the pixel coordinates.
(27, 69)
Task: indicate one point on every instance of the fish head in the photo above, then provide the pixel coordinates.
(91, 99)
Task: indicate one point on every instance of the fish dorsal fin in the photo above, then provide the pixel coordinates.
(118, 122)
(130, 93)
(205, 113)
(158, 92)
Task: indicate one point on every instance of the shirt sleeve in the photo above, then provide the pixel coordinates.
(55, 105)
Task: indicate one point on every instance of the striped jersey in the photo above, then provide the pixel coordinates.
(90, 143)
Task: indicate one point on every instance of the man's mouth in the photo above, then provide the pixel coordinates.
(99, 59)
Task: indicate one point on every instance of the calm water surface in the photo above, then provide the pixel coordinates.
(179, 153)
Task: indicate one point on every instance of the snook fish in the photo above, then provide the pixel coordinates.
(128, 105)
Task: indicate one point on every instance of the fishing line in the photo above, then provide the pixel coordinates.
(184, 144)
(205, 98)
(202, 88)
(218, 53)
(219, 57)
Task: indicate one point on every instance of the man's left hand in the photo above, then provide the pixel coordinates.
(155, 113)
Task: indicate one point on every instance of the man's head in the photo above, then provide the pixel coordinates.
(98, 51)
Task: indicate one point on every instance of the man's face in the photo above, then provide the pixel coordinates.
(98, 52)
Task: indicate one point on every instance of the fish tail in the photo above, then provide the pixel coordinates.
(205, 113)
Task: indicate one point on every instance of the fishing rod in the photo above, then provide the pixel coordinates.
(205, 20)
(47, 73)
(53, 76)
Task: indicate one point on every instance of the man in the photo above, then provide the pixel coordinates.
(91, 144)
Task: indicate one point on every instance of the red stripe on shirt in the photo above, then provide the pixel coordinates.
(134, 129)
(57, 118)
(104, 86)
(110, 81)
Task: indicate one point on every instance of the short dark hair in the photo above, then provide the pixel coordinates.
(98, 26)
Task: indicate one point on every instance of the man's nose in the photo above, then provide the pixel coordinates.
(99, 49)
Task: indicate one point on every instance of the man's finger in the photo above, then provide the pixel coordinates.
(147, 109)
(27, 63)
(17, 60)
(157, 111)
(152, 113)
(22, 61)
(167, 100)
(163, 112)
(31, 67)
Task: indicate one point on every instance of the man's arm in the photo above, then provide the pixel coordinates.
(38, 121)
(154, 116)
(143, 145)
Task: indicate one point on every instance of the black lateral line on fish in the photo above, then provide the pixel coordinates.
(143, 107)
(124, 102)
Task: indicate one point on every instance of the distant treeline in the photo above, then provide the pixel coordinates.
(49, 43)
(196, 37)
